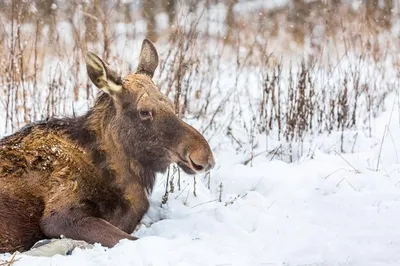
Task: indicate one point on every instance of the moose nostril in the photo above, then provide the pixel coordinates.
(202, 165)
(195, 165)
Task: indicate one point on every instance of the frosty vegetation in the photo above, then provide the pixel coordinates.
(240, 69)
(265, 80)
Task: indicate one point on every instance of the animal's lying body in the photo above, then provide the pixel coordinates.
(44, 172)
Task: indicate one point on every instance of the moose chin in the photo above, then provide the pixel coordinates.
(88, 178)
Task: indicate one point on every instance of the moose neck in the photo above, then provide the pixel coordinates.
(106, 153)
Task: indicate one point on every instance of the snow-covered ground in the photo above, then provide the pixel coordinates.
(325, 209)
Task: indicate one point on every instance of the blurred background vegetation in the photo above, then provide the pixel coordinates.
(303, 15)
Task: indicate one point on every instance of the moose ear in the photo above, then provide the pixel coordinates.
(101, 75)
(148, 60)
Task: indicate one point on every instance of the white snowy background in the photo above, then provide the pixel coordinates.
(333, 199)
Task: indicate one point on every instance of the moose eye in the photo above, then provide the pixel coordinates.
(145, 114)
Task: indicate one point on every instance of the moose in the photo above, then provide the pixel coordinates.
(88, 177)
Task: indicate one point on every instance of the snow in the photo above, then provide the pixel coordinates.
(325, 209)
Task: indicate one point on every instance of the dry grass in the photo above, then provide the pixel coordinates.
(269, 78)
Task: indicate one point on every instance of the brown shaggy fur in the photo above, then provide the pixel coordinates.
(88, 177)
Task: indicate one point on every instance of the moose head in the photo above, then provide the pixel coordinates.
(142, 120)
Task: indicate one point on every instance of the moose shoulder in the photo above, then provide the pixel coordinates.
(88, 177)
